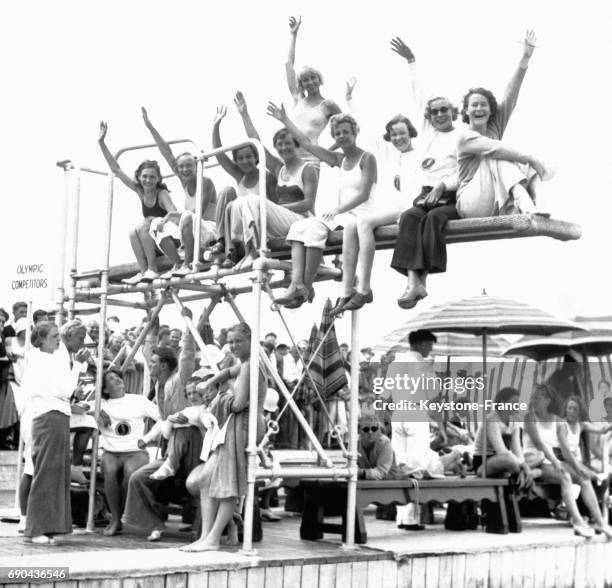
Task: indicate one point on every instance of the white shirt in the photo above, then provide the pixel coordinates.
(292, 369)
(127, 426)
(48, 382)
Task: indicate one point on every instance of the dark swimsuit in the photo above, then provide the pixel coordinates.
(153, 211)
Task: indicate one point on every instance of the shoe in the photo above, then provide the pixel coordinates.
(358, 300)
(135, 279)
(21, 527)
(77, 475)
(339, 306)
(583, 531)
(155, 535)
(169, 274)
(602, 530)
(43, 540)
(411, 296)
(182, 271)
(163, 472)
(286, 298)
(149, 276)
(268, 515)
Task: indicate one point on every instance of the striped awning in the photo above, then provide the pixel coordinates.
(541, 348)
(483, 314)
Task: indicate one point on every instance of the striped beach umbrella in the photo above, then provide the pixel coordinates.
(327, 369)
(487, 315)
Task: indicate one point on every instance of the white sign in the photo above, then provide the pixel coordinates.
(31, 282)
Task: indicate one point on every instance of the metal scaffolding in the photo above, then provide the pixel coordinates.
(204, 283)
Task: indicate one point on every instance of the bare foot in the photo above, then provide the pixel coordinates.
(200, 545)
(112, 528)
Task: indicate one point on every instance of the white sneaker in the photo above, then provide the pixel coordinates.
(155, 535)
(163, 472)
(135, 279)
(149, 276)
(182, 271)
(168, 275)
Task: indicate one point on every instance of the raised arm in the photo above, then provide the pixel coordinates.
(506, 106)
(273, 164)
(292, 83)
(163, 147)
(224, 161)
(416, 97)
(112, 162)
(331, 158)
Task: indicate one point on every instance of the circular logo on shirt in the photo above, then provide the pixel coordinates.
(427, 163)
(123, 428)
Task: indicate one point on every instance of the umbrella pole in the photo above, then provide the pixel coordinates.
(484, 397)
(351, 493)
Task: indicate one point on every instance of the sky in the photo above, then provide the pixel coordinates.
(67, 65)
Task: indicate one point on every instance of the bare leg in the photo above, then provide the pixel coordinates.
(24, 492)
(186, 227)
(138, 249)
(350, 253)
(313, 261)
(168, 246)
(148, 244)
(367, 245)
(522, 199)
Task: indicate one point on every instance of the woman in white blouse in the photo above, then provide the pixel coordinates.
(48, 383)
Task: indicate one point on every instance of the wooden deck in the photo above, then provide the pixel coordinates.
(545, 554)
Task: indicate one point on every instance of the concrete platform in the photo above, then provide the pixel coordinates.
(545, 554)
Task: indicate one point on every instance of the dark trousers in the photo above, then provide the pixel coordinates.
(421, 239)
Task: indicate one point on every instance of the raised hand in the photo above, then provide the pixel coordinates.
(529, 43)
(103, 131)
(350, 86)
(294, 25)
(277, 112)
(240, 103)
(145, 115)
(402, 49)
(220, 114)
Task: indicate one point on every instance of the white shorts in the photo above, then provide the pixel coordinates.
(160, 231)
(208, 228)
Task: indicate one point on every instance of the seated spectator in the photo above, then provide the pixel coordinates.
(503, 442)
(376, 459)
(542, 451)
(194, 415)
(122, 426)
(40, 316)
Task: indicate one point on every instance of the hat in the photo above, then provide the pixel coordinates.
(21, 325)
(203, 372)
(213, 353)
(271, 400)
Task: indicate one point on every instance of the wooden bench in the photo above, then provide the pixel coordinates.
(328, 498)
(458, 231)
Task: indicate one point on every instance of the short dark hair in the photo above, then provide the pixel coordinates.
(583, 413)
(37, 314)
(112, 370)
(505, 394)
(249, 146)
(166, 355)
(154, 165)
(399, 118)
(4, 314)
(18, 305)
(281, 134)
(420, 336)
(484, 92)
(40, 332)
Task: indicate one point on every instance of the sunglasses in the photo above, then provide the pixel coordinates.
(368, 429)
(441, 110)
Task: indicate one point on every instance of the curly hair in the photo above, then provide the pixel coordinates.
(505, 394)
(343, 117)
(154, 165)
(399, 118)
(281, 134)
(483, 92)
(307, 69)
(40, 333)
(166, 355)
